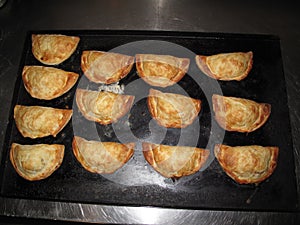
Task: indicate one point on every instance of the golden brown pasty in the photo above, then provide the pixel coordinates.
(247, 164)
(53, 49)
(161, 70)
(105, 67)
(47, 82)
(238, 114)
(173, 110)
(39, 121)
(103, 107)
(226, 66)
(174, 161)
(101, 157)
(36, 162)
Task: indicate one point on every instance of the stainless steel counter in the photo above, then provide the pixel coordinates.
(17, 17)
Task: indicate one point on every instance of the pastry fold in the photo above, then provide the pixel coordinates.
(226, 66)
(101, 157)
(47, 82)
(174, 161)
(39, 121)
(247, 164)
(173, 110)
(53, 49)
(161, 70)
(36, 162)
(102, 106)
(105, 67)
(238, 114)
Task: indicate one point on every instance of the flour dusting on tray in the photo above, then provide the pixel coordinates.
(115, 88)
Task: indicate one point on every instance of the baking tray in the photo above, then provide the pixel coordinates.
(137, 184)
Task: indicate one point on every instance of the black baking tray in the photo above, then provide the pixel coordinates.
(137, 184)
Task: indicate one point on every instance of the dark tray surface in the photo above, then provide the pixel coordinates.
(208, 189)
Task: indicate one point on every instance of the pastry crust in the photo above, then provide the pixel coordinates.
(36, 162)
(105, 67)
(173, 110)
(101, 157)
(53, 49)
(238, 114)
(247, 164)
(174, 161)
(103, 107)
(47, 82)
(161, 70)
(39, 121)
(226, 66)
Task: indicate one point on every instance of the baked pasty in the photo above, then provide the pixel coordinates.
(247, 164)
(39, 121)
(238, 114)
(53, 49)
(105, 67)
(161, 70)
(101, 157)
(174, 161)
(36, 162)
(173, 110)
(103, 107)
(47, 82)
(226, 66)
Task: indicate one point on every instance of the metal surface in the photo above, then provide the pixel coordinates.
(16, 17)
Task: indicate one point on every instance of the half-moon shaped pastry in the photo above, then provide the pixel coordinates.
(173, 110)
(53, 49)
(103, 107)
(47, 82)
(105, 67)
(39, 121)
(226, 66)
(238, 114)
(174, 161)
(101, 157)
(36, 162)
(161, 70)
(247, 164)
